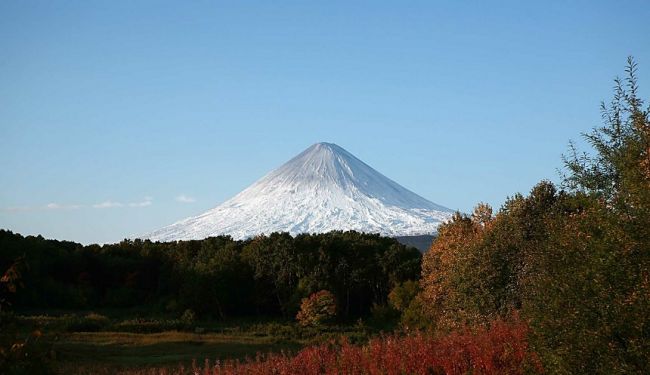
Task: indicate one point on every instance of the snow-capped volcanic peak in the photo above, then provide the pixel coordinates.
(322, 189)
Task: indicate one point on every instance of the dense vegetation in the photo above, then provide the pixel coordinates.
(556, 281)
(501, 348)
(574, 263)
(216, 277)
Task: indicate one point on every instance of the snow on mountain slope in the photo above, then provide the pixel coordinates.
(322, 189)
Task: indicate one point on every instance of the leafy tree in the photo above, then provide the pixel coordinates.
(9, 282)
(317, 309)
(596, 267)
(450, 272)
(575, 264)
(403, 294)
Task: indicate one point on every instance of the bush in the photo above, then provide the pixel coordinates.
(188, 318)
(402, 294)
(317, 309)
(413, 316)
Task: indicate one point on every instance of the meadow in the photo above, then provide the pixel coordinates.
(94, 344)
(88, 342)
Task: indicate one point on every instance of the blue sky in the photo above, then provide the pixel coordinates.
(117, 118)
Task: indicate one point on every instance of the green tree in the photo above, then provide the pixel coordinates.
(403, 294)
(619, 168)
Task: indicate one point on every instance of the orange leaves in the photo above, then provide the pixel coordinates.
(11, 277)
(317, 308)
(451, 256)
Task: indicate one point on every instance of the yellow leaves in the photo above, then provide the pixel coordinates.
(449, 257)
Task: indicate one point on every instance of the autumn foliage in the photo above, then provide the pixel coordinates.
(575, 263)
(318, 308)
(500, 348)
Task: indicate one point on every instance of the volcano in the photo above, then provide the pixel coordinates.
(322, 189)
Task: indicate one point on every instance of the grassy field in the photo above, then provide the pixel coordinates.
(118, 350)
(94, 343)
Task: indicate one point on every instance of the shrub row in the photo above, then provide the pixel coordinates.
(500, 348)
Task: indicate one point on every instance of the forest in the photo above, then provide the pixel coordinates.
(554, 281)
(216, 277)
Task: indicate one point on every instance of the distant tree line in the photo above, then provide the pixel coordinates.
(217, 277)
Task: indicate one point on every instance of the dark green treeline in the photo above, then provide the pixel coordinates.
(216, 277)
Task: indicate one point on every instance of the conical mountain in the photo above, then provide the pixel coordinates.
(322, 189)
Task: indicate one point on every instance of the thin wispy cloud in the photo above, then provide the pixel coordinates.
(147, 201)
(57, 206)
(16, 209)
(49, 207)
(185, 199)
(108, 204)
(53, 206)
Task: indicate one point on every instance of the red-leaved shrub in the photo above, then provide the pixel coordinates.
(501, 348)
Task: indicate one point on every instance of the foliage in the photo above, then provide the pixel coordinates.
(405, 299)
(451, 273)
(18, 355)
(188, 318)
(620, 167)
(575, 263)
(588, 299)
(383, 317)
(603, 242)
(9, 282)
(403, 294)
(500, 348)
(414, 317)
(317, 309)
(216, 277)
